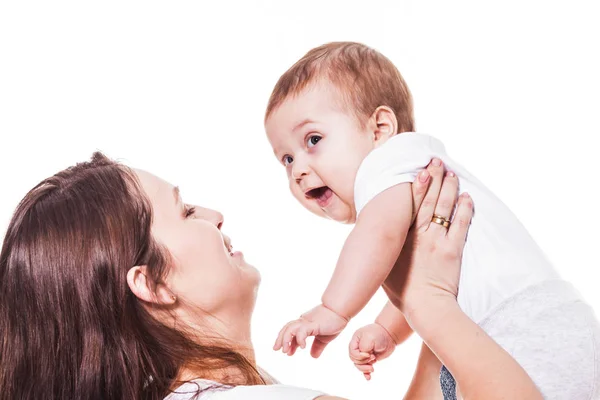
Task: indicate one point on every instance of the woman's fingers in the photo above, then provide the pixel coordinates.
(425, 212)
(419, 190)
(447, 198)
(462, 219)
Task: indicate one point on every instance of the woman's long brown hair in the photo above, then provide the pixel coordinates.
(69, 325)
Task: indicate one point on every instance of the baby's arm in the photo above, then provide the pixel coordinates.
(376, 342)
(394, 322)
(370, 251)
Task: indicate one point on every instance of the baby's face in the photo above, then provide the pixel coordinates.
(321, 147)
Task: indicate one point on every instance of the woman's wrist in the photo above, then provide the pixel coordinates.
(429, 317)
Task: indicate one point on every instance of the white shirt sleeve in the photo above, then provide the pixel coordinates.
(398, 160)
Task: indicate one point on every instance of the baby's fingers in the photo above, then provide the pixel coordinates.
(361, 348)
(301, 336)
(279, 341)
(354, 350)
(293, 347)
(366, 361)
(289, 336)
(297, 334)
(367, 370)
(359, 356)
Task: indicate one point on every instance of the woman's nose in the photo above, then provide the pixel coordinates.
(211, 216)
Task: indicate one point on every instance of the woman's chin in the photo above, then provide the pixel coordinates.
(250, 270)
(255, 274)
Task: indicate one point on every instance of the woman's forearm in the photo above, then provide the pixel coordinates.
(426, 380)
(481, 368)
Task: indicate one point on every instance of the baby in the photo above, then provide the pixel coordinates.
(340, 121)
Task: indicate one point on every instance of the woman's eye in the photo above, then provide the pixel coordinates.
(287, 160)
(313, 140)
(189, 211)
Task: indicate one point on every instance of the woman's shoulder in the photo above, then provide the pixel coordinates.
(213, 391)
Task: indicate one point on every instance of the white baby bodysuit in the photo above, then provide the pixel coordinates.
(499, 259)
(506, 284)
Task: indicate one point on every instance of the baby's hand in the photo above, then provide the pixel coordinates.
(369, 344)
(320, 322)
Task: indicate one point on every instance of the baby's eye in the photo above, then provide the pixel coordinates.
(313, 140)
(287, 160)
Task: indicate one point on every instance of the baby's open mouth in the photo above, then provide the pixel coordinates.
(321, 194)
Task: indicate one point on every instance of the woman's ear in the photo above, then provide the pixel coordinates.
(385, 124)
(138, 283)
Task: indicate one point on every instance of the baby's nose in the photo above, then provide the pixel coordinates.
(299, 171)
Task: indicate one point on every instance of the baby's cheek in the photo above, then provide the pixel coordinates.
(347, 197)
(298, 195)
(343, 185)
(311, 206)
(307, 204)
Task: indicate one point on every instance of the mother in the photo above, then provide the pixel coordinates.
(113, 288)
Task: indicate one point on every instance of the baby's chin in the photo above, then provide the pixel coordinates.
(347, 216)
(337, 211)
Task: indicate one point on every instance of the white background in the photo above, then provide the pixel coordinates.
(179, 88)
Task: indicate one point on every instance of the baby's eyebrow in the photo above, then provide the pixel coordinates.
(302, 123)
(298, 126)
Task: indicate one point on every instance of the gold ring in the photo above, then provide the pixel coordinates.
(440, 221)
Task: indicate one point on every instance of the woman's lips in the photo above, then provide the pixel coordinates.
(228, 246)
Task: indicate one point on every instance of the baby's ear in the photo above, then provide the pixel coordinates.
(385, 124)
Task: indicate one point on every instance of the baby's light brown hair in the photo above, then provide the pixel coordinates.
(365, 78)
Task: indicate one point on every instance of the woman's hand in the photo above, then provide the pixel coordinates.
(424, 285)
(428, 269)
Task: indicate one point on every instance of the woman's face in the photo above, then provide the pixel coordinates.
(206, 273)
